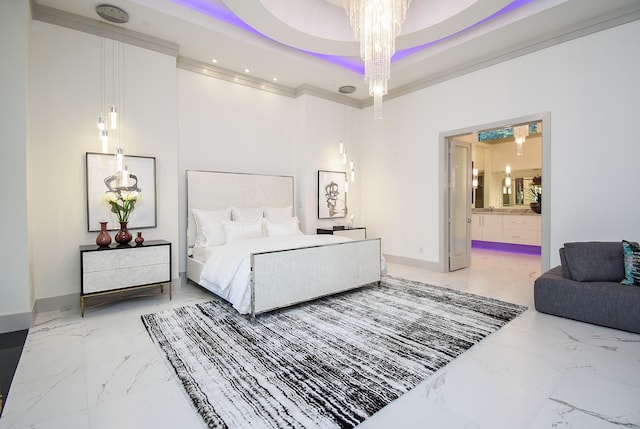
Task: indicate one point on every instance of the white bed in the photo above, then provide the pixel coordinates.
(231, 258)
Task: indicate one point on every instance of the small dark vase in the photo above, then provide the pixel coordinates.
(123, 236)
(103, 239)
(139, 239)
(536, 207)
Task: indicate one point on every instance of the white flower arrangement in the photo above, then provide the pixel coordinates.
(122, 203)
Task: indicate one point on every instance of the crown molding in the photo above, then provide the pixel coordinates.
(613, 19)
(327, 95)
(234, 77)
(102, 29)
(263, 85)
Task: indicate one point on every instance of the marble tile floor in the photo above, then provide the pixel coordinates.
(539, 371)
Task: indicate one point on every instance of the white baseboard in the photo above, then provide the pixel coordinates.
(16, 322)
(428, 265)
(63, 302)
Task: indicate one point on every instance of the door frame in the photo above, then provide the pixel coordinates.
(445, 177)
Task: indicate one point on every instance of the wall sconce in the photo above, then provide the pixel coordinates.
(474, 178)
(507, 179)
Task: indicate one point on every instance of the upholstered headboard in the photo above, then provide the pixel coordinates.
(214, 190)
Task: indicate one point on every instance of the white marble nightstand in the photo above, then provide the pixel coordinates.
(116, 269)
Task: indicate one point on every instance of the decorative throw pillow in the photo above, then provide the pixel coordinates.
(563, 263)
(277, 213)
(240, 231)
(282, 228)
(246, 215)
(209, 230)
(631, 252)
(595, 261)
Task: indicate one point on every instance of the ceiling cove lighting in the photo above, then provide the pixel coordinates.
(376, 23)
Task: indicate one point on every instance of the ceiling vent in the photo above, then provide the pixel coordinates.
(112, 13)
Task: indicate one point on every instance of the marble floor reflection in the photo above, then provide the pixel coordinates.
(539, 371)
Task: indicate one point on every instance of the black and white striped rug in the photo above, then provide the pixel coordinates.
(329, 363)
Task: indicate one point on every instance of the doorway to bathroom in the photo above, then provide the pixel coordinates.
(493, 189)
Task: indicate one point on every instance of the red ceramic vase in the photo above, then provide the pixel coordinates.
(139, 239)
(123, 236)
(103, 239)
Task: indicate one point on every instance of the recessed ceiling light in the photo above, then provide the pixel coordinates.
(214, 61)
(246, 70)
(347, 89)
(275, 79)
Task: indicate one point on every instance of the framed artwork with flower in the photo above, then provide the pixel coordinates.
(332, 194)
(113, 197)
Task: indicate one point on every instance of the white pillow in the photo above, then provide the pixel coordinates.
(282, 228)
(278, 212)
(240, 231)
(209, 230)
(246, 215)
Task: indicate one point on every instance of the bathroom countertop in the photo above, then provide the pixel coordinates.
(505, 211)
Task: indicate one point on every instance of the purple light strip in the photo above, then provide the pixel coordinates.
(507, 247)
(409, 51)
(350, 63)
(225, 15)
(220, 13)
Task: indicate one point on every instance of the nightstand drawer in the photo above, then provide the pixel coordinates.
(100, 281)
(124, 258)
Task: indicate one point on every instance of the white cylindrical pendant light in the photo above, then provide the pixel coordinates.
(119, 159)
(104, 139)
(113, 115)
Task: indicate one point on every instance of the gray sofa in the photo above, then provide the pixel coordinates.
(586, 287)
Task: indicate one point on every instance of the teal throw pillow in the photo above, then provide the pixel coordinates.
(631, 251)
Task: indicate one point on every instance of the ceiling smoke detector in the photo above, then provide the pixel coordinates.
(347, 89)
(112, 13)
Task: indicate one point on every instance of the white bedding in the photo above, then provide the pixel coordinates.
(227, 268)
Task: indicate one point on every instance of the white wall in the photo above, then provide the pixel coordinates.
(325, 123)
(589, 86)
(16, 297)
(65, 101)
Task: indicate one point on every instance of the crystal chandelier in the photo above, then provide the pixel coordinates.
(520, 134)
(376, 23)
